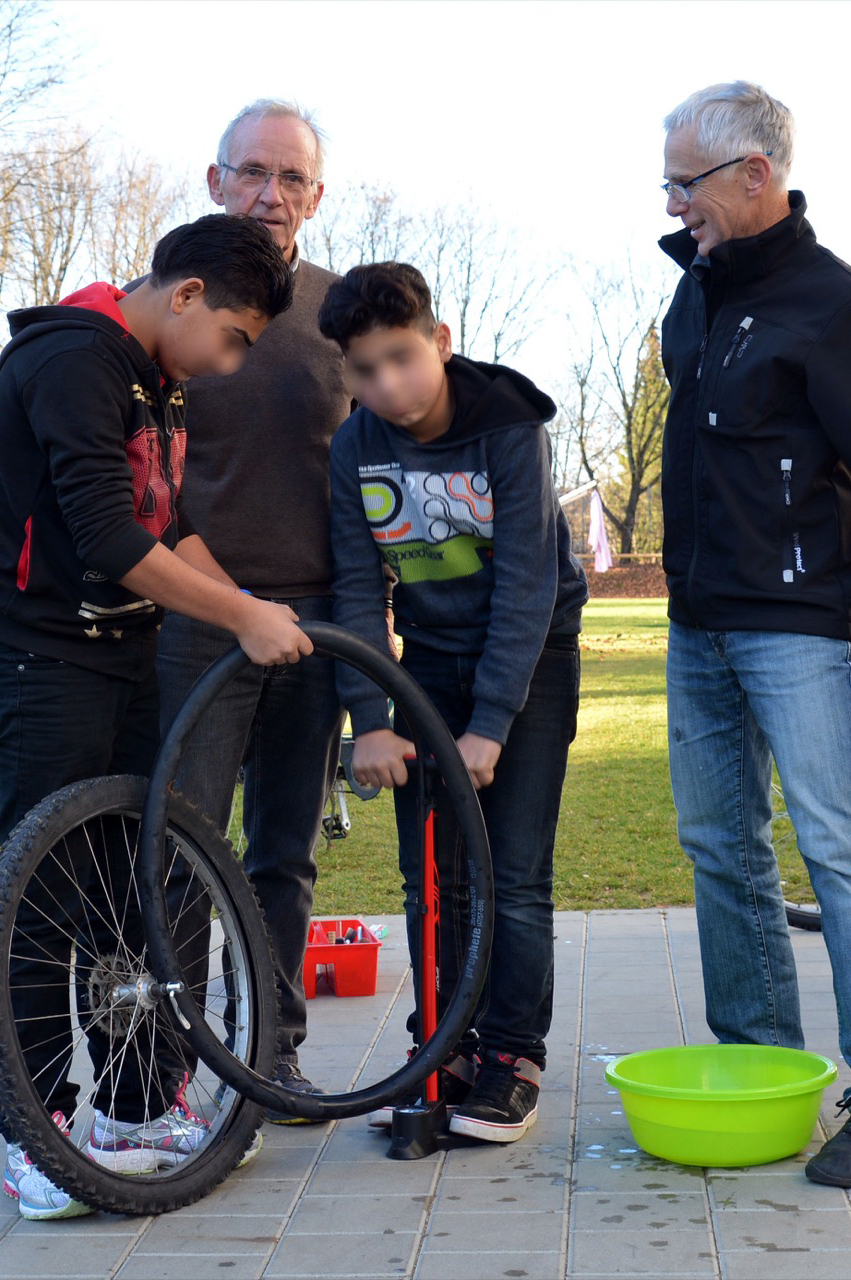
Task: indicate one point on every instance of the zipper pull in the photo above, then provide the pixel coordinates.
(786, 476)
(702, 350)
(737, 337)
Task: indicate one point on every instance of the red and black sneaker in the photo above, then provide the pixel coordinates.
(503, 1102)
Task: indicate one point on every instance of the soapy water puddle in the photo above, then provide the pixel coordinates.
(604, 1054)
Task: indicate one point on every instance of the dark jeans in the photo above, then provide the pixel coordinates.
(521, 811)
(59, 724)
(283, 725)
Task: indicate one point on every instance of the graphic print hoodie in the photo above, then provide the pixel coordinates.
(471, 525)
(92, 445)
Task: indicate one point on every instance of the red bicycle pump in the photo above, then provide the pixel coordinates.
(421, 1128)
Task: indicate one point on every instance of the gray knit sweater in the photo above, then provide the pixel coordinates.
(256, 483)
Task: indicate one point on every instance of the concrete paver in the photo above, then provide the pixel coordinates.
(575, 1198)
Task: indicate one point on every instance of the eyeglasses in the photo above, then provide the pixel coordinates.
(680, 190)
(253, 178)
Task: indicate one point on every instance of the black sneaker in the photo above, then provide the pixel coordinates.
(832, 1165)
(290, 1076)
(503, 1102)
(457, 1077)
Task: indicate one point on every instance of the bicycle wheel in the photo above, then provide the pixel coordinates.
(431, 736)
(78, 1001)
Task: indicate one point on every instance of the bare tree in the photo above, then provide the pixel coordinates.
(435, 254)
(30, 71)
(567, 467)
(361, 223)
(618, 401)
(63, 211)
(496, 297)
(77, 214)
(644, 394)
(52, 212)
(29, 68)
(135, 205)
(492, 299)
(382, 234)
(580, 447)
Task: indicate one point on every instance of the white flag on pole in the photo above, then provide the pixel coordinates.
(598, 542)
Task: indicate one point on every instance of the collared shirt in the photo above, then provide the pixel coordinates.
(700, 268)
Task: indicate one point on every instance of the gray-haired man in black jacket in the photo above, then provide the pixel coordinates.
(757, 498)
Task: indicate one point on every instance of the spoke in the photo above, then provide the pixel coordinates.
(102, 868)
(107, 883)
(185, 942)
(79, 928)
(178, 911)
(85, 901)
(69, 933)
(58, 1057)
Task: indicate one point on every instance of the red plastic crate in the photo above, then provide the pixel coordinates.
(349, 968)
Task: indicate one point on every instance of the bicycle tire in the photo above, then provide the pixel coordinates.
(803, 915)
(427, 729)
(67, 854)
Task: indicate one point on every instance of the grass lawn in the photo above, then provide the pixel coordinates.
(616, 844)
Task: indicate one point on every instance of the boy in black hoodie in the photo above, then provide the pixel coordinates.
(444, 474)
(92, 546)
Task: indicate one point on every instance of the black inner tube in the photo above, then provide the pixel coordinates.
(430, 736)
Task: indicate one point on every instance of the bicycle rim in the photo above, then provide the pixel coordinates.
(430, 736)
(71, 924)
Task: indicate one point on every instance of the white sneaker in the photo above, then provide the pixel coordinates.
(38, 1198)
(252, 1151)
(125, 1147)
(257, 1142)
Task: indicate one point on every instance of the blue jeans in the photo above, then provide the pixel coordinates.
(735, 699)
(521, 812)
(283, 725)
(60, 723)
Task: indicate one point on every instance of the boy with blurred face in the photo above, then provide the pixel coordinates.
(443, 474)
(93, 542)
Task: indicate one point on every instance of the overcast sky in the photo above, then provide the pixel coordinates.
(545, 112)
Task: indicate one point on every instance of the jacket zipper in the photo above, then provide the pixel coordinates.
(788, 532)
(737, 337)
(165, 432)
(693, 561)
(743, 328)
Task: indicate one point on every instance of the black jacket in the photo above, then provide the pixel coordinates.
(756, 475)
(91, 457)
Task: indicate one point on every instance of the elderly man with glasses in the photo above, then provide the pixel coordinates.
(757, 499)
(256, 482)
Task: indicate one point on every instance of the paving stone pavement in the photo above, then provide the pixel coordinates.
(574, 1198)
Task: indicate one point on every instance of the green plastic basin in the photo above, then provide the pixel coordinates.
(725, 1105)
